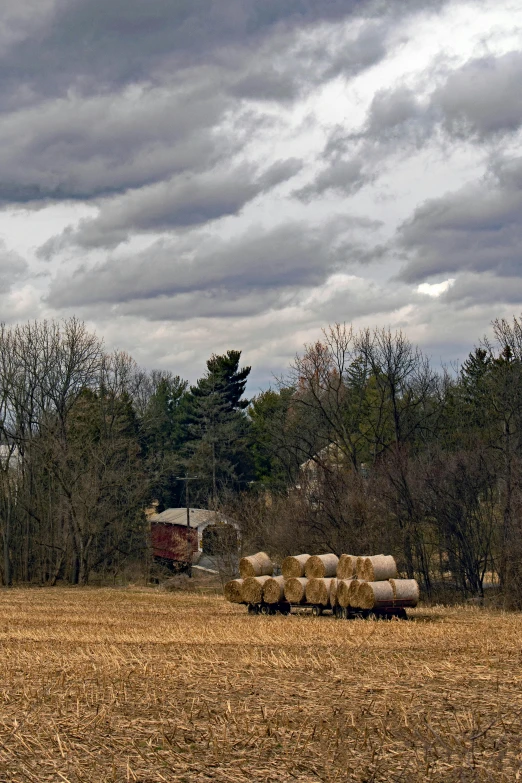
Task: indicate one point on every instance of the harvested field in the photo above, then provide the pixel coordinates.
(109, 686)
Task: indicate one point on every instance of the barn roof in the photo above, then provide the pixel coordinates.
(178, 516)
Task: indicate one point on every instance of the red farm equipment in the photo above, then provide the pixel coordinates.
(173, 545)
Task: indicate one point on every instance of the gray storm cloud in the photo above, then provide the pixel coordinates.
(99, 97)
(179, 202)
(12, 267)
(107, 44)
(483, 97)
(234, 160)
(476, 229)
(479, 99)
(289, 257)
(484, 288)
(477, 102)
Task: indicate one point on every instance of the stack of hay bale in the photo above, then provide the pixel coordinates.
(257, 585)
(324, 581)
(367, 583)
(318, 573)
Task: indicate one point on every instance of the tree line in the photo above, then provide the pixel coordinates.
(362, 446)
(384, 452)
(88, 440)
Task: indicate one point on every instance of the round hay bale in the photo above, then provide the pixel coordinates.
(232, 591)
(256, 565)
(252, 589)
(321, 566)
(378, 568)
(353, 593)
(295, 590)
(346, 567)
(372, 595)
(405, 592)
(333, 591)
(359, 566)
(318, 591)
(342, 594)
(273, 589)
(294, 566)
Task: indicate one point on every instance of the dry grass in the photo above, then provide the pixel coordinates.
(137, 685)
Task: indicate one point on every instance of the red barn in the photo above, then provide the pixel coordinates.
(173, 543)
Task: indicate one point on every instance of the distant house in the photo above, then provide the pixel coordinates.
(329, 458)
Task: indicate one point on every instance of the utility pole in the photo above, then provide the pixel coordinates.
(187, 479)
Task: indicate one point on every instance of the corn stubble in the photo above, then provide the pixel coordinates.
(145, 686)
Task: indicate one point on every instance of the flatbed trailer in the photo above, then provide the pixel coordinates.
(339, 612)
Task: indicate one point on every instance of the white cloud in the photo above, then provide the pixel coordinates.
(435, 289)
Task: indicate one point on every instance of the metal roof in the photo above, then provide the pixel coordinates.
(178, 516)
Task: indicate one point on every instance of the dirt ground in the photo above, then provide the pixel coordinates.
(146, 685)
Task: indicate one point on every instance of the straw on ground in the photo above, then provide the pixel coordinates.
(98, 686)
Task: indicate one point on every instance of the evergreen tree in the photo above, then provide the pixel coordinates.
(268, 414)
(164, 435)
(226, 379)
(217, 450)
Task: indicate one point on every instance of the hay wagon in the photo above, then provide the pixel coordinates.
(346, 587)
(339, 612)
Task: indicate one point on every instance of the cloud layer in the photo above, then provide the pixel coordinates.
(288, 258)
(200, 173)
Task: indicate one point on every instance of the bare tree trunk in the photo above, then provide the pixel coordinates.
(75, 569)
(83, 559)
(8, 580)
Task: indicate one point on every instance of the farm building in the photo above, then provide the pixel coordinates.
(173, 540)
(329, 458)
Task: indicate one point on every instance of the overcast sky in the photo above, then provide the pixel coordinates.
(190, 176)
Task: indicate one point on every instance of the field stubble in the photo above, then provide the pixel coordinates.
(138, 685)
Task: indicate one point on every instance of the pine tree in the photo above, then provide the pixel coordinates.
(226, 379)
(475, 390)
(218, 426)
(164, 435)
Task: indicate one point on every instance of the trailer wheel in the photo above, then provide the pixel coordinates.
(264, 609)
(317, 610)
(285, 609)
